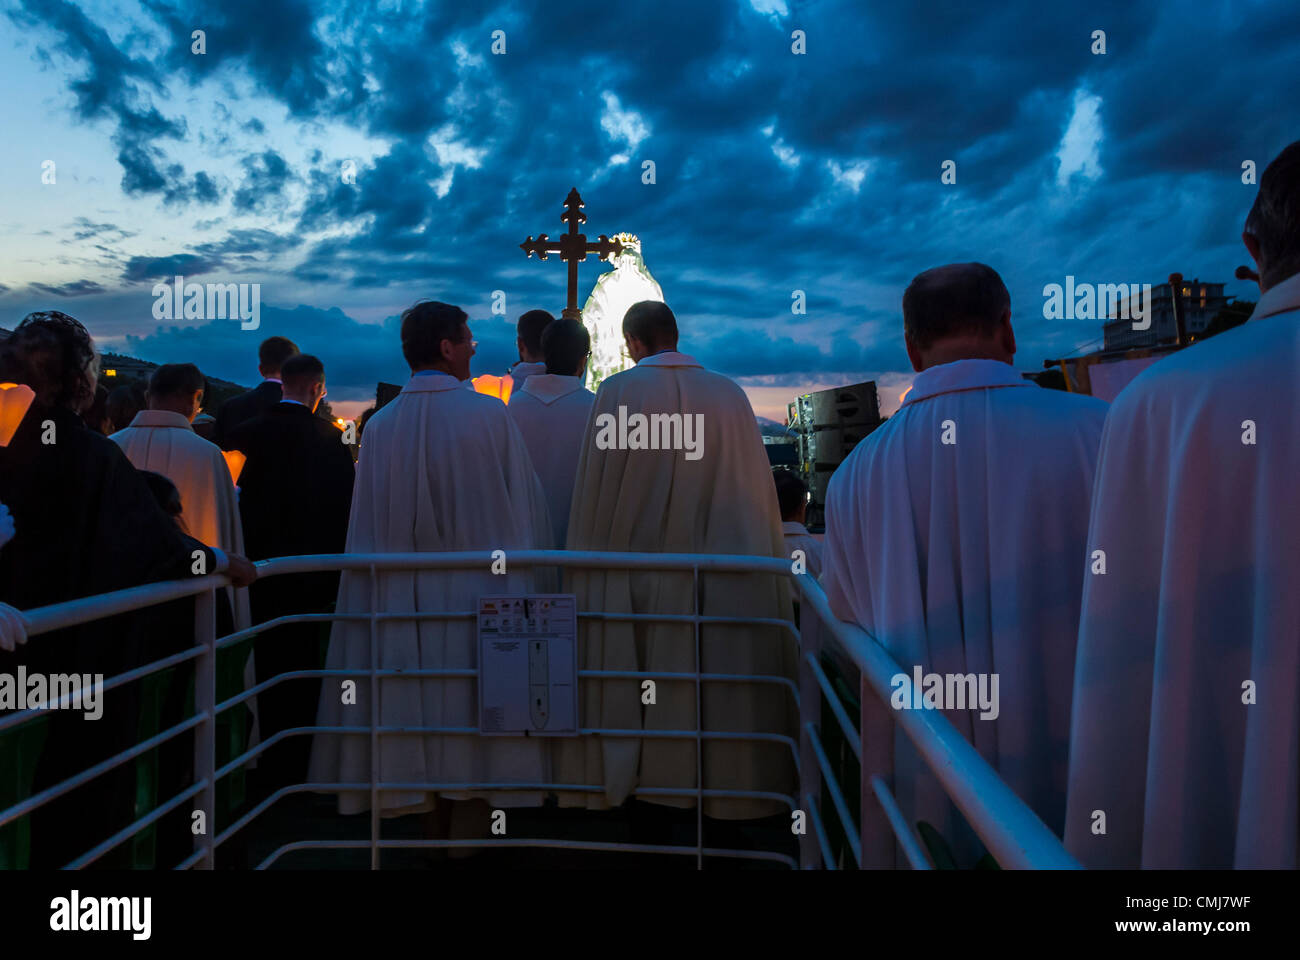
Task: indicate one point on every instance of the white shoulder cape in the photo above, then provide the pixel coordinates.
(955, 535)
(1186, 734)
(441, 468)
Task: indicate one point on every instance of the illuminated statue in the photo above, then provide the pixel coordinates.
(628, 283)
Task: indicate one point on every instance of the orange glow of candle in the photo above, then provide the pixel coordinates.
(498, 387)
(15, 398)
(235, 461)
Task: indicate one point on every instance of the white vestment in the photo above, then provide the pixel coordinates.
(522, 370)
(718, 499)
(551, 412)
(1186, 730)
(442, 469)
(165, 443)
(796, 537)
(955, 535)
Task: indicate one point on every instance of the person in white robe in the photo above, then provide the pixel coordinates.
(161, 439)
(792, 499)
(528, 340)
(443, 468)
(1185, 747)
(551, 412)
(703, 486)
(955, 536)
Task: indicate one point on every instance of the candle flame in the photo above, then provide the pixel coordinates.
(235, 461)
(15, 398)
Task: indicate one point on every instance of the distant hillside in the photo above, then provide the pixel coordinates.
(770, 428)
(116, 369)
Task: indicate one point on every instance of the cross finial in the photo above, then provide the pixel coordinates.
(573, 210)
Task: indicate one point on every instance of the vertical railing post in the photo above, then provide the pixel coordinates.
(810, 705)
(877, 730)
(205, 734)
(699, 727)
(374, 720)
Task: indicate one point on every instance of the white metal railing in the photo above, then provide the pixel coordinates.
(1010, 830)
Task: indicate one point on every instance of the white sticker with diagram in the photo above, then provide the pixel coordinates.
(528, 665)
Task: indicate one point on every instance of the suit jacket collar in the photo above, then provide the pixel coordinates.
(963, 375)
(289, 409)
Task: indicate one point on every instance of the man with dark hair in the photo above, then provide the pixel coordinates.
(124, 403)
(176, 385)
(792, 498)
(435, 336)
(443, 469)
(85, 523)
(271, 355)
(649, 328)
(295, 493)
(161, 439)
(528, 339)
(1187, 694)
(303, 374)
(551, 412)
(955, 535)
(697, 481)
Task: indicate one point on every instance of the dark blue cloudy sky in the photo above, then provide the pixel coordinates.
(775, 172)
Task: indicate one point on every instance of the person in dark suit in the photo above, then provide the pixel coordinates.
(86, 523)
(271, 356)
(295, 495)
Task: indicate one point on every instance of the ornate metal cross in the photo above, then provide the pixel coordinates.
(572, 248)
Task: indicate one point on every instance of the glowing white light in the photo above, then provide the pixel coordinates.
(615, 291)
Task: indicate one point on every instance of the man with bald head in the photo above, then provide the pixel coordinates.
(1187, 691)
(673, 462)
(955, 535)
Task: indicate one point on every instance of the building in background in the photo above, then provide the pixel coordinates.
(1201, 300)
(1202, 311)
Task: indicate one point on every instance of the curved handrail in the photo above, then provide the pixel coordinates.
(1015, 836)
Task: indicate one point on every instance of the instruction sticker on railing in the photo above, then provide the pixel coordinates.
(528, 665)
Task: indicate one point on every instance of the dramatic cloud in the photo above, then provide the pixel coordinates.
(79, 288)
(354, 157)
(164, 268)
(1079, 147)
